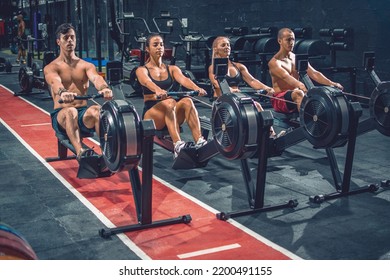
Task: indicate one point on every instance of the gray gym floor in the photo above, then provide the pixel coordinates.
(58, 226)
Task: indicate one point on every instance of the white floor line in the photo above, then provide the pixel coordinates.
(209, 251)
(231, 221)
(127, 241)
(35, 124)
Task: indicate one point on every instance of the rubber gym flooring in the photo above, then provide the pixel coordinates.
(60, 215)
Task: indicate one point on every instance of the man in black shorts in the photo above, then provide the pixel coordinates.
(69, 76)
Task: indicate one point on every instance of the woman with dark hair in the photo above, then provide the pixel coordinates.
(156, 79)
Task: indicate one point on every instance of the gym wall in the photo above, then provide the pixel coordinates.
(368, 19)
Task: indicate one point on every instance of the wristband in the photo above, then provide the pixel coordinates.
(103, 87)
(61, 90)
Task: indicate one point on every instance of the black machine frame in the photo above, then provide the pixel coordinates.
(114, 128)
(346, 134)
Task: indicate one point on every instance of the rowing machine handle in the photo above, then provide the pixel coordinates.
(83, 97)
(181, 93)
(254, 92)
(260, 92)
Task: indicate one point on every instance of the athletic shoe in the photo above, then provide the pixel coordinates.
(280, 134)
(201, 142)
(85, 153)
(178, 146)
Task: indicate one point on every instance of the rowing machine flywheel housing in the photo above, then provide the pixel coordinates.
(380, 107)
(325, 117)
(120, 135)
(235, 124)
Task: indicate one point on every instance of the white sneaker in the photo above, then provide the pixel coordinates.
(282, 133)
(177, 147)
(201, 142)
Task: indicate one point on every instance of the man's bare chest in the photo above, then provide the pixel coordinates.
(73, 75)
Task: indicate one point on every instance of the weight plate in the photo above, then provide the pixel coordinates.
(380, 107)
(266, 45)
(13, 246)
(312, 47)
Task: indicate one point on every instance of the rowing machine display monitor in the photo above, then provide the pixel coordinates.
(302, 62)
(220, 70)
(368, 60)
(165, 23)
(220, 67)
(114, 72)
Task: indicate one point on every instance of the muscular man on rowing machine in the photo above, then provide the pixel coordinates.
(156, 79)
(68, 76)
(289, 91)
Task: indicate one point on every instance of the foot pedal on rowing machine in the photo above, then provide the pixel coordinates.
(93, 167)
(188, 158)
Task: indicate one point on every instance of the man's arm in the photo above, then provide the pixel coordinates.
(320, 78)
(54, 81)
(98, 81)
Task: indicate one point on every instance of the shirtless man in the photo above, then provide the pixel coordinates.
(68, 76)
(289, 91)
(22, 45)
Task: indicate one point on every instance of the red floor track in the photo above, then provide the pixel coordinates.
(113, 198)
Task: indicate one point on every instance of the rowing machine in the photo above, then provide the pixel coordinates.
(327, 120)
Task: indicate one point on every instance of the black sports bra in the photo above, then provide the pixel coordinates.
(165, 84)
(236, 80)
